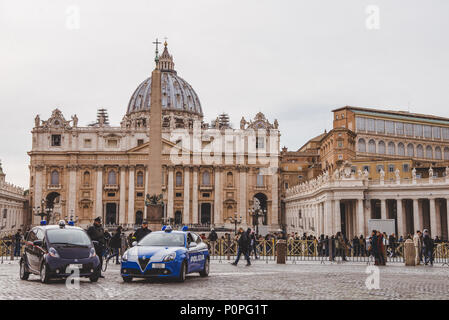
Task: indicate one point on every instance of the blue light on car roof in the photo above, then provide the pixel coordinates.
(185, 228)
(163, 228)
(168, 229)
(43, 223)
(71, 223)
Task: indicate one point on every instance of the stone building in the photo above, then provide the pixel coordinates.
(376, 164)
(212, 173)
(13, 206)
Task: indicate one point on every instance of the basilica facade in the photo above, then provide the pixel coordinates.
(213, 175)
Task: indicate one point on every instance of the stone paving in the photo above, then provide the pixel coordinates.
(306, 280)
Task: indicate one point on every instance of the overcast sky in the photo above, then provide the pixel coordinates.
(292, 60)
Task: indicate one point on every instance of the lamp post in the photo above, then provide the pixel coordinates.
(255, 213)
(43, 212)
(236, 219)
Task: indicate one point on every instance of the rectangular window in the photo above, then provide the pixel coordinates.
(380, 126)
(427, 132)
(286, 185)
(178, 194)
(379, 167)
(259, 180)
(418, 130)
(366, 168)
(55, 140)
(445, 132)
(139, 142)
(87, 143)
(370, 125)
(353, 169)
(399, 128)
(111, 194)
(260, 142)
(361, 124)
(436, 132)
(340, 157)
(405, 167)
(389, 127)
(112, 143)
(391, 168)
(408, 129)
(139, 194)
(206, 195)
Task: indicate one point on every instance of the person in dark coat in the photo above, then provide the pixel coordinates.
(428, 244)
(212, 240)
(17, 243)
(96, 233)
(142, 231)
(116, 243)
(244, 243)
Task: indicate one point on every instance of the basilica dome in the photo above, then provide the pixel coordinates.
(177, 94)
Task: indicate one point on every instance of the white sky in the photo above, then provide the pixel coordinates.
(292, 60)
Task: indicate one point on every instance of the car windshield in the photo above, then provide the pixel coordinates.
(68, 237)
(163, 239)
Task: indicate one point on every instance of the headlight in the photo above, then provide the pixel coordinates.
(92, 253)
(170, 257)
(125, 256)
(52, 252)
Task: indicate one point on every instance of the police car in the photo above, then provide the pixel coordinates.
(55, 251)
(167, 253)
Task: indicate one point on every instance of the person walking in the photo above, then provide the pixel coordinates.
(142, 231)
(116, 243)
(96, 233)
(212, 240)
(244, 242)
(428, 244)
(418, 246)
(17, 243)
(253, 245)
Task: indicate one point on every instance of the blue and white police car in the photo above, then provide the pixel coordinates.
(167, 253)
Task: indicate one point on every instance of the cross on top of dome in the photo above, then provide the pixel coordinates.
(165, 62)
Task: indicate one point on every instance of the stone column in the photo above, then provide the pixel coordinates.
(99, 193)
(435, 229)
(72, 191)
(328, 227)
(37, 192)
(217, 199)
(195, 196)
(367, 212)
(337, 217)
(400, 218)
(186, 211)
(170, 192)
(243, 201)
(274, 200)
(416, 216)
(322, 227)
(383, 209)
(145, 213)
(360, 218)
(122, 206)
(131, 214)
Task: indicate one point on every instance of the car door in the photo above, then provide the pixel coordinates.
(192, 252)
(40, 250)
(29, 249)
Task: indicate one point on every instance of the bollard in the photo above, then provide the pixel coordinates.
(409, 252)
(281, 251)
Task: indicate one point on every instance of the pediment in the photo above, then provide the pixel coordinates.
(145, 148)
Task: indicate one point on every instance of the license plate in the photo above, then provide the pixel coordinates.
(76, 266)
(158, 265)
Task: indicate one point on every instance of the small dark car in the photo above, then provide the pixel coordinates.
(50, 250)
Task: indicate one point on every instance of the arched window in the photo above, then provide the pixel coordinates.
(140, 179)
(438, 153)
(391, 148)
(86, 178)
(112, 177)
(429, 152)
(446, 153)
(206, 178)
(229, 179)
(54, 178)
(362, 145)
(410, 150)
(381, 147)
(420, 151)
(372, 146)
(401, 149)
(178, 179)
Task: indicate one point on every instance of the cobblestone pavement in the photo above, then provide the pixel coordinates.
(307, 280)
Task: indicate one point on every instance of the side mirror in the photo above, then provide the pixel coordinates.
(134, 244)
(192, 244)
(38, 243)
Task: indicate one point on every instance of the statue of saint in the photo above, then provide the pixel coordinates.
(414, 173)
(37, 121)
(75, 121)
(242, 123)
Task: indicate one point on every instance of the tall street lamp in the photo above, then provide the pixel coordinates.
(236, 219)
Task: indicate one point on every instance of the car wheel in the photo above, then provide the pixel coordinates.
(127, 279)
(24, 274)
(95, 276)
(182, 272)
(205, 271)
(44, 274)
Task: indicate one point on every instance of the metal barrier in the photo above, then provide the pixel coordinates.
(312, 250)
